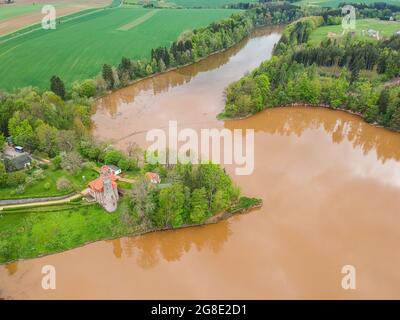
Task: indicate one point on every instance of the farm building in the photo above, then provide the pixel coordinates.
(105, 189)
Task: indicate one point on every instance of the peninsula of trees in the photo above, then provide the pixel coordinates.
(350, 73)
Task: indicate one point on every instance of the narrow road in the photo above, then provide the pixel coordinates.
(46, 203)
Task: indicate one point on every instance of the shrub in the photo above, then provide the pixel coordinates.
(56, 162)
(47, 186)
(124, 164)
(38, 175)
(30, 181)
(16, 178)
(63, 184)
(43, 166)
(113, 157)
(20, 189)
(85, 88)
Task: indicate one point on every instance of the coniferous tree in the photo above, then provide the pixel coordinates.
(57, 86)
(108, 76)
(383, 100)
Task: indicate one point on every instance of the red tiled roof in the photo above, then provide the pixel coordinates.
(98, 185)
(152, 176)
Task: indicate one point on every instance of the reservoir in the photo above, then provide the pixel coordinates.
(330, 184)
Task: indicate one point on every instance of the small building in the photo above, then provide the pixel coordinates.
(20, 162)
(114, 169)
(153, 177)
(398, 33)
(105, 189)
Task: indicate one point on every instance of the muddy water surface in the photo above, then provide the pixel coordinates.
(330, 185)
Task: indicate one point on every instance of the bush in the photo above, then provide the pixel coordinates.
(124, 164)
(113, 157)
(63, 184)
(20, 189)
(30, 181)
(47, 186)
(16, 178)
(57, 162)
(85, 88)
(43, 166)
(38, 175)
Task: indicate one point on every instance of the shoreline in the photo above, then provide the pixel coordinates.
(211, 220)
(309, 105)
(135, 81)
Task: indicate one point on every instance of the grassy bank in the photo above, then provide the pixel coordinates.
(37, 231)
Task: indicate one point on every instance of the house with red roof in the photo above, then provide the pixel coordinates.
(153, 177)
(105, 189)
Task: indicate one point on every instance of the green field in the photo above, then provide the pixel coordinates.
(385, 28)
(79, 47)
(29, 232)
(206, 3)
(335, 3)
(9, 11)
(38, 189)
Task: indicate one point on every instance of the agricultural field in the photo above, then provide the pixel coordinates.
(335, 3)
(385, 28)
(206, 3)
(23, 13)
(81, 44)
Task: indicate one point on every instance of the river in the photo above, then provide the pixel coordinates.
(330, 185)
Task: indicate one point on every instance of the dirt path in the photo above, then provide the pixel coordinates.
(46, 203)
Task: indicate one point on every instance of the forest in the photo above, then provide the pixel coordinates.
(347, 73)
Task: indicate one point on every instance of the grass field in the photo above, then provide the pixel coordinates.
(385, 28)
(26, 233)
(206, 3)
(335, 3)
(38, 190)
(10, 11)
(79, 47)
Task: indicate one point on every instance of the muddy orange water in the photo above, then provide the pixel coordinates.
(330, 185)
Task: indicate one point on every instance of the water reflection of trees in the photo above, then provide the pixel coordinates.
(165, 82)
(150, 249)
(339, 125)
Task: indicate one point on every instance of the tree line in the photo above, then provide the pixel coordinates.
(199, 43)
(192, 194)
(294, 75)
